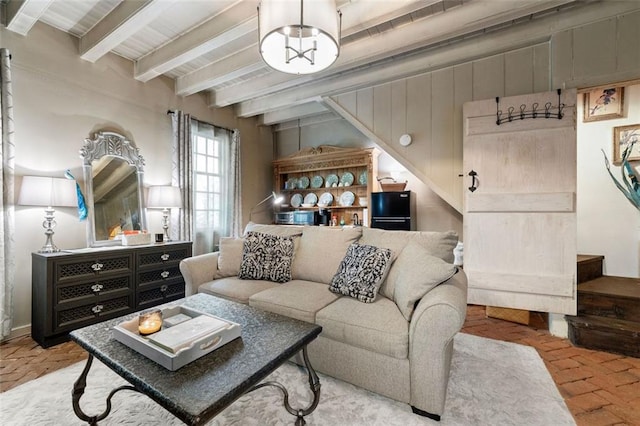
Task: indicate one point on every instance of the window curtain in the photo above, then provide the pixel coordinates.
(7, 226)
(235, 177)
(182, 175)
(205, 239)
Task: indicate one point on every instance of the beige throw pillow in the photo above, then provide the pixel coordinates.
(417, 273)
(230, 256)
(321, 250)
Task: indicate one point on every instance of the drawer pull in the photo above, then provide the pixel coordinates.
(164, 288)
(97, 309)
(165, 257)
(165, 274)
(97, 266)
(97, 287)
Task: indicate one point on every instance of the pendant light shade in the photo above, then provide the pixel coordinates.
(297, 36)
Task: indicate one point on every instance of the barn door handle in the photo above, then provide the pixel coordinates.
(474, 181)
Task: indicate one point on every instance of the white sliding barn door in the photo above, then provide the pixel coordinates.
(520, 222)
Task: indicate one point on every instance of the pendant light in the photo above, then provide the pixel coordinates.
(298, 36)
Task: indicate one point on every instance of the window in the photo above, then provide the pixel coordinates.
(211, 205)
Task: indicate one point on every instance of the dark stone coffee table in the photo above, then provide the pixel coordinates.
(201, 389)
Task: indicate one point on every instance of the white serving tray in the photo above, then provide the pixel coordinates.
(127, 333)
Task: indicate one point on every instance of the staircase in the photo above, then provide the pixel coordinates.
(608, 310)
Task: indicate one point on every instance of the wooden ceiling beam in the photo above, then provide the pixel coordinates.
(123, 21)
(231, 24)
(21, 15)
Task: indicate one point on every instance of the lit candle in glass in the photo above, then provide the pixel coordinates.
(149, 322)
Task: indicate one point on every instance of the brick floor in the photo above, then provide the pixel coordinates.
(599, 388)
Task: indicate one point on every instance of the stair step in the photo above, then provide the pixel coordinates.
(589, 267)
(611, 297)
(606, 334)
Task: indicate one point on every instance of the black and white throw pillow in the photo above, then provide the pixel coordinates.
(266, 257)
(361, 272)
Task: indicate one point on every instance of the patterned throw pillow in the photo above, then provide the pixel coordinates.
(266, 257)
(361, 272)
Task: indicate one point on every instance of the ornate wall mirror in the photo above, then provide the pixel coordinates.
(113, 175)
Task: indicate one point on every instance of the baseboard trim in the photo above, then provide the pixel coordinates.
(18, 332)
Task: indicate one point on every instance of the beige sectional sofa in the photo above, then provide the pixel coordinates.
(400, 345)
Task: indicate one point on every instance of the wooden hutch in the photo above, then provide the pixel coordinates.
(300, 174)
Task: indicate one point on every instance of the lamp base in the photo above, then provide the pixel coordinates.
(48, 224)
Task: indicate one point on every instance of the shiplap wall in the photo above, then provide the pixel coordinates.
(429, 106)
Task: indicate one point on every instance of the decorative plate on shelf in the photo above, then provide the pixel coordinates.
(303, 182)
(311, 198)
(326, 198)
(331, 180)
(347, 198)
(296, 200)
(317, 181)
(291, 183)
(362, 179)
(346, 179)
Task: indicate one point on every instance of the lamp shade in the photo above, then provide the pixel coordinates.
(299, 36)
(164, 197)
(48, 192)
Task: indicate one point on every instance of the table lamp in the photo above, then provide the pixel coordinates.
(164, 197)
(49, 192)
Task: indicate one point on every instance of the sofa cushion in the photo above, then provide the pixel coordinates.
(321, 250)
(438, 244)
(266, 257)
(418, 273)
(361, 272)
(233, 288)
(281, 230)
(230, 256)
(377, 326)
(296, 299)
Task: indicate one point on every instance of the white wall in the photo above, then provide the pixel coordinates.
(59, 100)
(608, 224)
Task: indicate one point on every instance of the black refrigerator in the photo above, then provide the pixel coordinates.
(393, 211)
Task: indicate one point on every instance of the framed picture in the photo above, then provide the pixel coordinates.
(622, 137)
(604, 104)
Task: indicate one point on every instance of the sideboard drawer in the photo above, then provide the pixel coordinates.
(87, 292)
(90, 267)
(160, 294)
(100, 310)
(162, 256)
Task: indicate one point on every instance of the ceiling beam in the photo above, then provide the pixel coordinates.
(356, 17)
(220, 72)
(123, 21)
(473, 17)
(229, 25)
(21, 15)
(293, 113)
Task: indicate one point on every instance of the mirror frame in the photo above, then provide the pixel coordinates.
(116, 145)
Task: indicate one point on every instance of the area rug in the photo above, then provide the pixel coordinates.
(491, 383)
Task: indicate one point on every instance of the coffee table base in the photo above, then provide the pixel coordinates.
(314, 383)
(78, 391)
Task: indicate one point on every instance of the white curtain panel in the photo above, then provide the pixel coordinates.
(235, 184)
(7, 226)
(182, 175)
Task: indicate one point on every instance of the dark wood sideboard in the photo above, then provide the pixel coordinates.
(72, 289)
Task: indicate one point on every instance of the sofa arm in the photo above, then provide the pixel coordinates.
(198, 270)
(437, 319)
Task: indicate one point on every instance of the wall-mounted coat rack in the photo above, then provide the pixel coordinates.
(533, 113)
